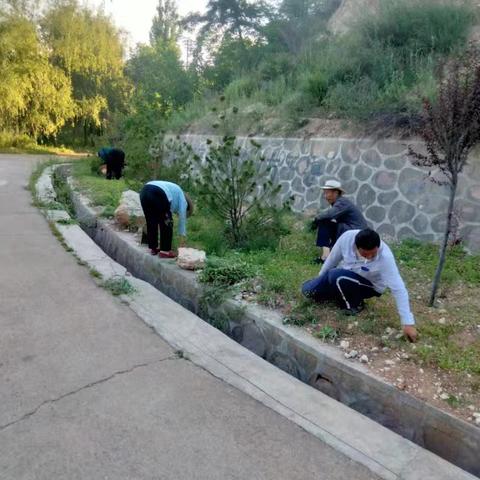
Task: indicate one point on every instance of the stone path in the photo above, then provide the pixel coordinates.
(88, 391)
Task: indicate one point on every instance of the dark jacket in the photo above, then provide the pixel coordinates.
(346, 214)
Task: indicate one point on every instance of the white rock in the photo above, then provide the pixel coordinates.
(129, 210)
(374, 349)
(477, 421)
(344, 344)
(385, 349)
(444, 396)
(191, 258)
(421, 370)
(351, 354)
(442, 321)
(364, 359)
(389, 362)
(476, 414)
(471, 407)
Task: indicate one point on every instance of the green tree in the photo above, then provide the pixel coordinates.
(165, 25)
(88, 47)
(35, 97)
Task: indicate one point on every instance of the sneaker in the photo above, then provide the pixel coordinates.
(170, 254)
(154, 251)
(352, 312)
(318, 261)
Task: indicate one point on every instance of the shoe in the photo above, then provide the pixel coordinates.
(352, 312)
(170, 254)
(154, 251)
(318, 261)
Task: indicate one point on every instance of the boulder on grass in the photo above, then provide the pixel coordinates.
(129, 212)
(191, 258)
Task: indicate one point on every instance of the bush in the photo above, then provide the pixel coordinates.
(225, 271)
(315, 85)
(240, 88)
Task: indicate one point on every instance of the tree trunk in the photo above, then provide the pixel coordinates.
(443, 250)
(85, 133)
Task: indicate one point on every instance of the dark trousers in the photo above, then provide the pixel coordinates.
(326, 233)
(345, 287)
(115, 162)
(156, 208)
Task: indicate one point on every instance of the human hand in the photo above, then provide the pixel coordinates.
(410, 332)
(314, 225)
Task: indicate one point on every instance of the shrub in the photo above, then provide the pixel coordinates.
(225, 271)
(315, 85)
(239, 88)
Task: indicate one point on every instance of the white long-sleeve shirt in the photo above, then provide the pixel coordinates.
(381, 270)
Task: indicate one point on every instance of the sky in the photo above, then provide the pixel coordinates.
(135, 16)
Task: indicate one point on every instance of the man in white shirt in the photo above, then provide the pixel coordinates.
(361, 266)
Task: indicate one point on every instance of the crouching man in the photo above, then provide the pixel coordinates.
(361, 266)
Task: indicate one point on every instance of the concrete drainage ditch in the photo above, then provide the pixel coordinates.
(294, 351)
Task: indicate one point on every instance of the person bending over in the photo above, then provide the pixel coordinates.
(159, 200)
(114, 159)
(361, 266)
(342, 216)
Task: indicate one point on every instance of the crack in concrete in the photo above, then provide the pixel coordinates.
(84, 387)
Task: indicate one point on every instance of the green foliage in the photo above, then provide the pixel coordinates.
(63, 193)
(118, 286)
(225, 271)
(235, 186)
(327, 333)
(424, 258)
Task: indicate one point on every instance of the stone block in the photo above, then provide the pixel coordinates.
(333, 166)
(302, 166)
(366, 197)
(317, 168)
(406, 232)
(314, 194)
(395, 163)
(310, 181)
(362, 172)
(254, 340)
(345, 173)
(471, 237)
(474, 192)
(385, 180)
(286, 173)
(371, 158)
(468, 211)
(387, 232)
(325, 385)
(431, 204)
(350, 153)
(351, 186)
(391, 147)
(439, 222)
(401, 212)
(376, 214)
(412, 182)
(285, 363)
(420, 223)
(297, 185)
(387, 198)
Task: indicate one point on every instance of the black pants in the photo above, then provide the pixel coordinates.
(345, 287)
(327, 233)
(156, 208)
(115, 162)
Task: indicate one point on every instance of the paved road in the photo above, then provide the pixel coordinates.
(88, 391)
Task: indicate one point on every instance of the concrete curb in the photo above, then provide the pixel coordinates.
(359, 438)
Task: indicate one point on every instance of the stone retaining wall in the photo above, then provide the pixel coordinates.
(397, 198)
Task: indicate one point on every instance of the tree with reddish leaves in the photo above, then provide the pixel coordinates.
(450, 129)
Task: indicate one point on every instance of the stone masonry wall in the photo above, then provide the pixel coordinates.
(397, 198)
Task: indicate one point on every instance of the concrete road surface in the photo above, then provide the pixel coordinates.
(88, 391)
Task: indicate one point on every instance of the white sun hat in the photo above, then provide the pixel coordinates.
(332, 185)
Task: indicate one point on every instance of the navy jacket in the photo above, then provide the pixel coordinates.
(346, 214)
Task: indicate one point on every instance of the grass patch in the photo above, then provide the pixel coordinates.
(118, 286)
(101, 191)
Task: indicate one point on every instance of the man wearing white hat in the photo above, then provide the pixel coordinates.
(342, 216)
